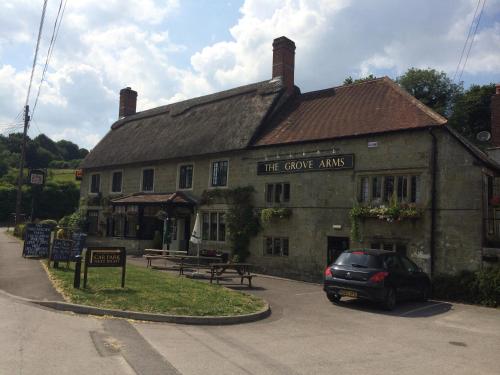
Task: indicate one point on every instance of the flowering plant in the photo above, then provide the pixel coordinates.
(387, 213)
(396, 211)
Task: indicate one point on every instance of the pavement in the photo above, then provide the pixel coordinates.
(306, 334)
(23, 276)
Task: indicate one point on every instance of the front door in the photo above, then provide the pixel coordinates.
(177, 225)
(336, 245)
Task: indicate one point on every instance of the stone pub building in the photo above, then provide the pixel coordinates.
(360, 165)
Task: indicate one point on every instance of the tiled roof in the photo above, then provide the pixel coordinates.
(154, 198)
(369, 107)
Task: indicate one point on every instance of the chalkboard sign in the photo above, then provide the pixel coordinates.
(78, 244)
(61, 250)
(36, 240)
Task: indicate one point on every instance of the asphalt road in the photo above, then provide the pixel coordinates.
(305, 334)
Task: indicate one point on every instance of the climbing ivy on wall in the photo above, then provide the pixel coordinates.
(242, 221)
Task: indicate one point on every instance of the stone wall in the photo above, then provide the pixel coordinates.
(320, 201)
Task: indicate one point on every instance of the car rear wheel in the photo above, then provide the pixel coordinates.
(390, 299)
(333, 297)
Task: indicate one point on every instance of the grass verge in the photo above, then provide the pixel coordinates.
(153, 291)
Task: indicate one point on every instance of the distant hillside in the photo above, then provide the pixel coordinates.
(41, 152)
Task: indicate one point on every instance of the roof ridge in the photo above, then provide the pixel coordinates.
(344, 86)
(187, 104)
(417, 103)
(364, 82)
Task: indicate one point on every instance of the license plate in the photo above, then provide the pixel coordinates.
(348, 293)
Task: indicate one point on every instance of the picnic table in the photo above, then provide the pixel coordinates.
(181, 261)
(224, 270)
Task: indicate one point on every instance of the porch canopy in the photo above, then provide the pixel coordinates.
(136, 216)
(168, 199)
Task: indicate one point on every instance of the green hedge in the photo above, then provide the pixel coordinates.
(53, 201)
(480, 287)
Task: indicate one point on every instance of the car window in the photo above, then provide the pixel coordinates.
(392, 263)
(359, 259)
(409, 265)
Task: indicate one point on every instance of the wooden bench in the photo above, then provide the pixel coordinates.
(225, 276)
(149, 258)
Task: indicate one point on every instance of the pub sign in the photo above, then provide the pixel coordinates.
(105, 257)
(300, 165)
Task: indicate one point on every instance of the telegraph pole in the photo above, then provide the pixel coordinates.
(21, 164)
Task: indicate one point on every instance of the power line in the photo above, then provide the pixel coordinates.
(55, 33)
(36, 125)
(466, 40)
(36, 50)
(472, 40)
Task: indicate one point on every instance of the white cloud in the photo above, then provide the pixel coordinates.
(107, 45)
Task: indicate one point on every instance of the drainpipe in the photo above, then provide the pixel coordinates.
(434, 151)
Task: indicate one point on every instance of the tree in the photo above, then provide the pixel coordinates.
(69, 150)
(4, 167)
(82, 153)
(471, 111)
(14, 141)
(349, 80)
(43, 141)
(434, 89)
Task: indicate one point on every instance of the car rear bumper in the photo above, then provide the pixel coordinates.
(363, 290)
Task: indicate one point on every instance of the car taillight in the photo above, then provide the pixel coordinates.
(379, 277)
(328, 272)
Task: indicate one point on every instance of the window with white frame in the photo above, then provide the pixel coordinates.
(276, 246)
(95, 183)
(186, 176)
(382, 189)
(219, 173)
(213, 226)
(148, 179)
(116, 182)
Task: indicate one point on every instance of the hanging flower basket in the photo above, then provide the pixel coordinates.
(269, 214)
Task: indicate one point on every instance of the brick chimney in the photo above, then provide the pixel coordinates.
(284, 61)
(128, 102)
(495, 117)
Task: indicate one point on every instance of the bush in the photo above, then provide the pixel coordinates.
(480, 287)
(19, 230)
(77, 221)
(52, 223)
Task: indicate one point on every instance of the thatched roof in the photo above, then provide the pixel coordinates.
(209, 124)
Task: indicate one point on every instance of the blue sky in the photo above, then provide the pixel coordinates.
(172, 50)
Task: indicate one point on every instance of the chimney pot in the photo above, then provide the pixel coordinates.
(128, 102)
(284, 61)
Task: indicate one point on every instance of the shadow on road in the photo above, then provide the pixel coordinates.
(403, 309)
